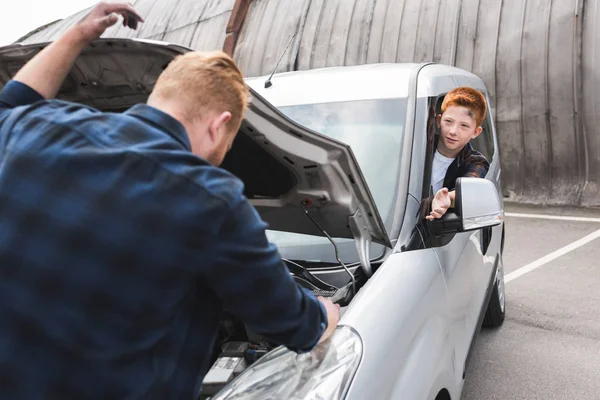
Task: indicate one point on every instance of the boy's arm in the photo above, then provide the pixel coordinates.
(477, 167)
(46, 72)
(442, 201)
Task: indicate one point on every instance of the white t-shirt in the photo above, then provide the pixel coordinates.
(438, 171)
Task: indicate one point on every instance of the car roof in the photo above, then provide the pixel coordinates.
(361, 82)
(436, 79)
(333, 84)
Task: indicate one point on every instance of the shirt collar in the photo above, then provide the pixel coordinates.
(161, 120)
(464, 153)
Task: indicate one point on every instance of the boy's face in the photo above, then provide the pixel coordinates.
(458, 127)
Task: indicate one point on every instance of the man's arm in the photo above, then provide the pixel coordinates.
(254, 284)
(16, 94)
(46, 72)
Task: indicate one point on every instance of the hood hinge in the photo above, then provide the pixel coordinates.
(362, 240)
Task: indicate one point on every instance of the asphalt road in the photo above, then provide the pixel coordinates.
(549, 345)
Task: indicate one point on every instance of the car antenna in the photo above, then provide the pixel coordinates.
(268, 82)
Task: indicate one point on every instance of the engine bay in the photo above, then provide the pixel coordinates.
(237, 347)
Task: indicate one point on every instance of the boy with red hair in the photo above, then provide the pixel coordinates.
(463, 111)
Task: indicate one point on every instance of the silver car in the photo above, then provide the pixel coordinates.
(338, 162)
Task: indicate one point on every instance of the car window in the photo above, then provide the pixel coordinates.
(374, 130)
(484, 143)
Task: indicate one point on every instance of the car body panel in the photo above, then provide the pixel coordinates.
(466, 268)
(437, 78)
(381, 81)
(404, 331)
(466, 279)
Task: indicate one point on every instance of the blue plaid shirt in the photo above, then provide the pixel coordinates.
(119, 251)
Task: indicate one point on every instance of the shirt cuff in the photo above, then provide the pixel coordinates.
(324, 318)
(17, 93)
(320, 330)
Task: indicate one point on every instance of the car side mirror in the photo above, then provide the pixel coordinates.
(476, 205)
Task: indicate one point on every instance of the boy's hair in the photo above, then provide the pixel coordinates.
(467, 97)
(205, 81)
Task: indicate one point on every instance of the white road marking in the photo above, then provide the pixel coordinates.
(554, 217)
(552, 256)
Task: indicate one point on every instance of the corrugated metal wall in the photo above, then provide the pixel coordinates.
(537, 58)
(590, 103)
(198, 24)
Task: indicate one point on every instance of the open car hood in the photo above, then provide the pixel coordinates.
(288, 170)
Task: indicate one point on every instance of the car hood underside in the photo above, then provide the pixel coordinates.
(288, 170)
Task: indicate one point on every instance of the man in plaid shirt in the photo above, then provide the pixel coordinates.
(122, 242)
(463, 111)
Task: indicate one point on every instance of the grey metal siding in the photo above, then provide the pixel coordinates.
(525, 50)
(263, 36)
(198, 24)
(538, 58)
(591, 101)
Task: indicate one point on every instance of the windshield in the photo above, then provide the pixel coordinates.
(374, 130)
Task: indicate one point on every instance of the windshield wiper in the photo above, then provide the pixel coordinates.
(319, 288)
(317, 264)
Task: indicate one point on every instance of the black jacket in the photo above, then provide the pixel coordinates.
(468, 162)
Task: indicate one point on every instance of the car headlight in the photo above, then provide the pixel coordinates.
(324, 373)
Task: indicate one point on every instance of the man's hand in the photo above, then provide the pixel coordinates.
(440, 204)
(46, 71)
(333, 317)
(104, 15)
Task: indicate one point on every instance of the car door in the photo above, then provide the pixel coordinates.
(408, 346)
(466, 266)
